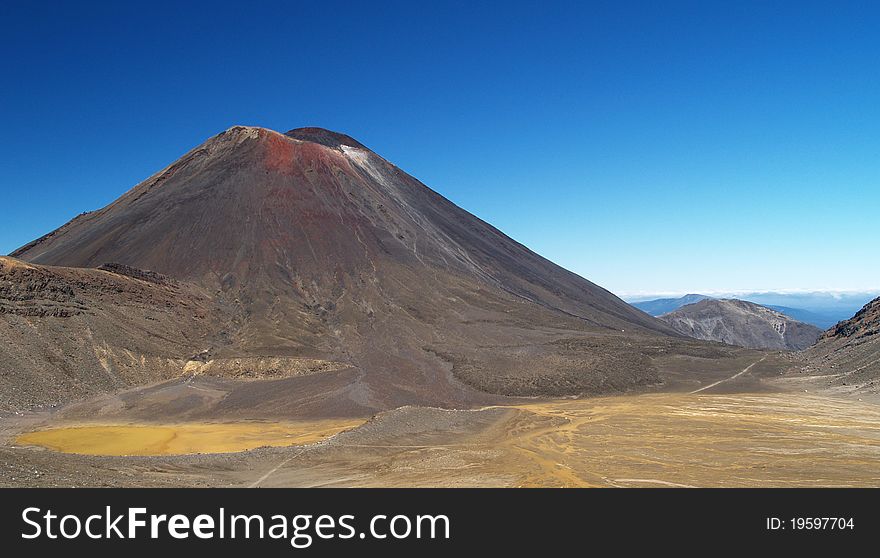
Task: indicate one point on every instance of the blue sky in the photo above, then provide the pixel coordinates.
(650, 147)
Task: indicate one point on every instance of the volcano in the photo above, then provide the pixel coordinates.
(312, 248)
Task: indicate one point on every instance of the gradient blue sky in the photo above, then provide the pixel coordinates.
(650, 147)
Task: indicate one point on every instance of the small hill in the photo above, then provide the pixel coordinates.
(737, 322)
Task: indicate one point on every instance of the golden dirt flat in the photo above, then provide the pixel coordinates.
(700, 440)
(655, 440)
(181, 439)
(660, 440)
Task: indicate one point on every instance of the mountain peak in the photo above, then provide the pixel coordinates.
(310, 134)
(324, 137)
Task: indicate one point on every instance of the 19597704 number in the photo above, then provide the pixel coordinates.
(810, 523)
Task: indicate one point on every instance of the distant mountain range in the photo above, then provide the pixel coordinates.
(822, 321)
(821, 309)
(741, 323)
(660, 306)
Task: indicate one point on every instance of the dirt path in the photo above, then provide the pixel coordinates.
(654, 481)
(273, 470)
(735, 376)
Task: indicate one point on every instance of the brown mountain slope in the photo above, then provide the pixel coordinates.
(741, 323)
(75, 332)
(311, 246)
(848, 354)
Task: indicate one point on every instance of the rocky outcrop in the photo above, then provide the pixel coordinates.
(847, 357)
(866, 322)
(27, 290)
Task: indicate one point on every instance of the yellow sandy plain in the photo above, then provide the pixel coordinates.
(699, 440)
(771, 439)
(183, 438)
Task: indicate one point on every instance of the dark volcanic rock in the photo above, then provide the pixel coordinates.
(32, 291)
(142, 274)
(865, 322)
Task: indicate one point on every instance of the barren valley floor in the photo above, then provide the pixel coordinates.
(665, 439)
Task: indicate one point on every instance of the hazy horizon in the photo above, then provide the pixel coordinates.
(648, 295)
